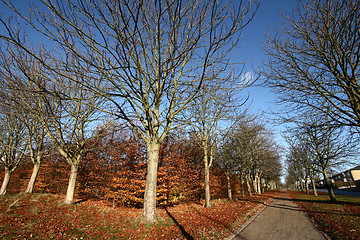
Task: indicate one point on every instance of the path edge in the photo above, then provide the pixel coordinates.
(250, 220)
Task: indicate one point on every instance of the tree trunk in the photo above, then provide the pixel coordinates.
(259, 184)
(306, 185)
(314, 186)
(5, 182)
(242, 185)
(149, 208)
(329, 186)
(72, 183)
(34, 174)
(247, 178)
(228, 185)
(207, 181)
(255, 184)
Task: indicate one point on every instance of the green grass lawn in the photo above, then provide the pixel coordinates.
(340, 220)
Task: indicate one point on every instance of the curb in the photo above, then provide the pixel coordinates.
(250, 220)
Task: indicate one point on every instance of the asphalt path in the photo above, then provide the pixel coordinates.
(282, 219)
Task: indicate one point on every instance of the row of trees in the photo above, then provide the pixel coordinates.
(67, 63)
(318, 149)
(250, 153)
(313, 67)
(115, 170)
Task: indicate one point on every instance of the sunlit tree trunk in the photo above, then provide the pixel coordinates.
(242, 184)
(207, 175)
(5, 181)
(247, 178)
(329, 186)
(254, 182)
(314, 186)
(34, 174)
(72, 184)
(260, 190)
(228, 180)
(149, 209)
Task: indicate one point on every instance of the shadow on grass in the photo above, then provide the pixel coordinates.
(182, 229)
(296, 208)
(324, 201)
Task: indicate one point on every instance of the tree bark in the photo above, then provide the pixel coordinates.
(260, 190)
(149, 208)
(314, 186)
(34, 174)
(242, 185)
(329, 186)
(247, 178)
(72, 183)
(255, 184)
(228, 185)
(207, 180)
(5, 182)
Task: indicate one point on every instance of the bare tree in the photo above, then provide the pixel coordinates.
(38, 146)
(148, 58)
(326, 146)
(250, 152)
(300, 153)
(314, 61)
(12, 143)
(36, 134)
(210, 114)
(61, 111)
(266, 160)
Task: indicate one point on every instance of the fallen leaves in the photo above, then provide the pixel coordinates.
(98, 220)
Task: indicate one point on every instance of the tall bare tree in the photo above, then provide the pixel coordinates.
(314, 60)
(300, 154)
(36, 134)
(148, 58)
(12, 142)
(250, 152)
(62, 109)
(326, 146)
(38, 146)
(210, 114)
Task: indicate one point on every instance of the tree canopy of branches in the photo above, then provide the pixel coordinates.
(62, 112)
(12, 142)
(316, 146)
(250, 152)
(314, 61)
(148, 59)
(212, 114)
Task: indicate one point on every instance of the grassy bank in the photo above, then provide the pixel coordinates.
(340, 220)
(43, 216)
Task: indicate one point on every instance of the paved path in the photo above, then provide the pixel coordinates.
(281, 220)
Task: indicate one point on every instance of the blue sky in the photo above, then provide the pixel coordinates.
(268, 17)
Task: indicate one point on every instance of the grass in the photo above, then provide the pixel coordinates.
(340, 220)
(44, 216)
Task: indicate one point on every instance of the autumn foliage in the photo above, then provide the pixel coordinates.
(115, 170)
